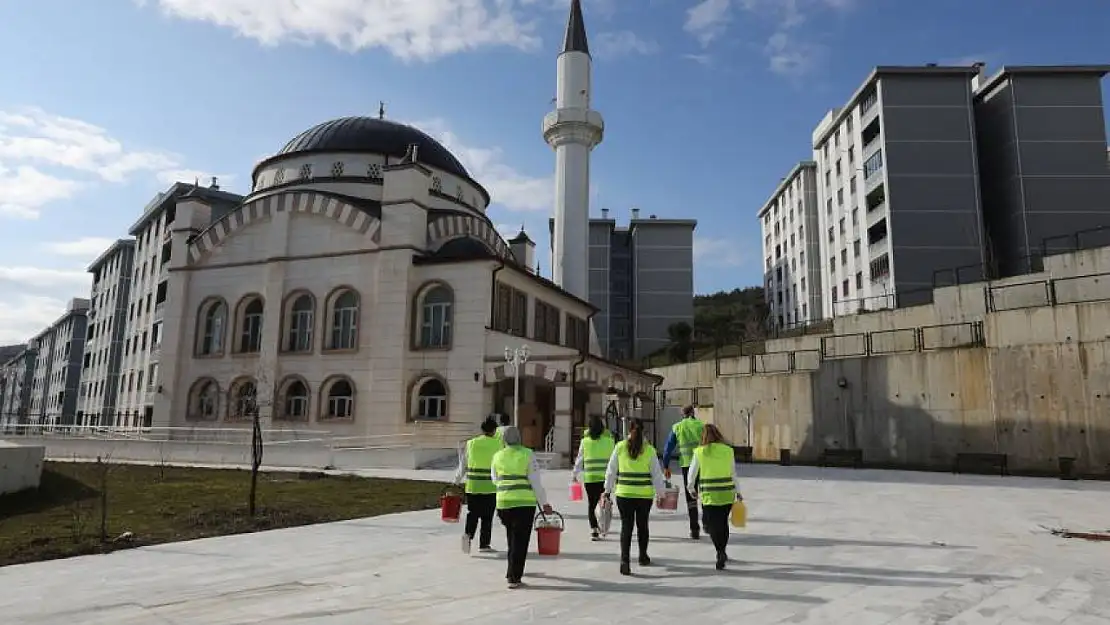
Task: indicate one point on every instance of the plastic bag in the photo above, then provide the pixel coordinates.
(739, 515)
(604, 513)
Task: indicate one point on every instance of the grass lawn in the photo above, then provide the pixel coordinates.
(165, 504)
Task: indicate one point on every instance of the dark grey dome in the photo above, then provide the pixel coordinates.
(374, 136)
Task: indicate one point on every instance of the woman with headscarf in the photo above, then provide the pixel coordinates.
(519, 491)
(637, 476)
(589, 468)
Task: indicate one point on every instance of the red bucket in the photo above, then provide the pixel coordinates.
(450, 506)
(670, 498)
(549, 533)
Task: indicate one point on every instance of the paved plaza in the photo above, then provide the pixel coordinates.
(823, 546)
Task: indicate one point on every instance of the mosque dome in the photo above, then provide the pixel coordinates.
(374, 136)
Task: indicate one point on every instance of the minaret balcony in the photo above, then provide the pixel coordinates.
(573, 125)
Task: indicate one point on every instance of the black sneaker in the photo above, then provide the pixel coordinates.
(626, 568)
(645, 561)
(721, 559)
(695, 534)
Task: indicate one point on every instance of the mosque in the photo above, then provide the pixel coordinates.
(360, 288)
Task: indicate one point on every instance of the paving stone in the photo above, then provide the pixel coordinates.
(823, 546)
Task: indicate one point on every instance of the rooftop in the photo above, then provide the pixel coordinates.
(1032, 70)
(107, 254)
(785, 182)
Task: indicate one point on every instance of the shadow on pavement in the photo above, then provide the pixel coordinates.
(575, 584)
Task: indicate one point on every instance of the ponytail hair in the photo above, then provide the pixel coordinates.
(710, 434)
(597, 426)
(635, 438)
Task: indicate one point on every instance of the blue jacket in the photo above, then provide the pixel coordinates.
(668, 449)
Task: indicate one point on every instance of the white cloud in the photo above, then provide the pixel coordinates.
(507, 187)
(712, 252)
(708, 19)
(787, 56)
(622, 43)
(701, 59)
(42, 278)
(75, 152)
(24, 316)
(408, 29)
(88, 247)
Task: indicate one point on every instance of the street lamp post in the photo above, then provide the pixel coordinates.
(516, 359)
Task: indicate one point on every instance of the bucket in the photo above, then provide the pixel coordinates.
(669, 501)
(575, 491)
(450, 505)
(549, 532)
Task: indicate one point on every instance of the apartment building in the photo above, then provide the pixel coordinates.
(792, 249)
(641, 277)
(56, 380)
(109, 301)
(1042, 145)
(16, 380)
(139, 379)
(898, 187)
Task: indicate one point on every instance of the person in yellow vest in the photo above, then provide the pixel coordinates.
(712, 475)
(685, 435)
(517, 478)
(589, 468)
(475, 462)
(636, 478)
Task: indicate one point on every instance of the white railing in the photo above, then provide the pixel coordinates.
(239, 435)
(419, 434)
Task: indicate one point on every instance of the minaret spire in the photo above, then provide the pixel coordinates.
(572, 130)
(575, 39)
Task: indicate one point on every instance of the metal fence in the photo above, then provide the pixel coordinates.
(1088, 288)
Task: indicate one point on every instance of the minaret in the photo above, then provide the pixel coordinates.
(573, 129)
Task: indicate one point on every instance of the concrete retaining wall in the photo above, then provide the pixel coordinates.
(20, 466)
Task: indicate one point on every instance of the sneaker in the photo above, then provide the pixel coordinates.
(645, 561)
(721, 560)
(626, 568)
(487, 549)
(515, 585)
(466, 540)
(594, 536)
(695, 535)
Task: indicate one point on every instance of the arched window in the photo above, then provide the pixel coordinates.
(431, 399)
(293, 402)
(251, 313)
(211, 326)
(300, 315)
(204, 399)
(343, 333)
(242, 399)
(339, 399)
(434, 317)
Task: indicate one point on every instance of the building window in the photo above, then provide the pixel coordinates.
(204, 400)
(578, 333)
(433, 322)
(873, 165)
(844, 288)
(546, 323)
(510, 314)
(834, 294)
(293, 400)
(298, 333)
(855, 248)
(251, 313)
(841, 225)
(243, 399)
(859, 280)
(213, 320)
(844, 256)
(832, 237)
(306, 171)
(339, 398)
(431, 399)
(343, 333)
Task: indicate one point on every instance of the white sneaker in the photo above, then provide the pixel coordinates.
(466, 540)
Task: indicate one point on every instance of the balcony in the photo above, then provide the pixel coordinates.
(880, 247)
(159, 311)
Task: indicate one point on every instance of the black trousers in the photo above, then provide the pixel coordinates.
(594, 491)
(480, 507)
(518, 534)
(691, 502)
(633, 511)
(716, 524)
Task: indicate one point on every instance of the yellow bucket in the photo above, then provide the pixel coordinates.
(739, 516)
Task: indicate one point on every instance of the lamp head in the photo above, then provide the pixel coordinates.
(524, 352)
(508, 353)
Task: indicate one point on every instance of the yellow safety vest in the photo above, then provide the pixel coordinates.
(479, 459)
(513, 488)
(688, 432)
(715, 483)
(595, 457)
(634, 475)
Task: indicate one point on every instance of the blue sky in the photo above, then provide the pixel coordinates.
(707, 102)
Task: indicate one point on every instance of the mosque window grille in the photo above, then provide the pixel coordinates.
(306, 171)
(437, 184)
(279, 176)
(337, 169)
(458, 192)
(374, 171)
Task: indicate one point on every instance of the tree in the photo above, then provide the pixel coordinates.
(682, 341)
(254, 401)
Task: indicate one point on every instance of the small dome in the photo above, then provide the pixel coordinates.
(374, 136)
